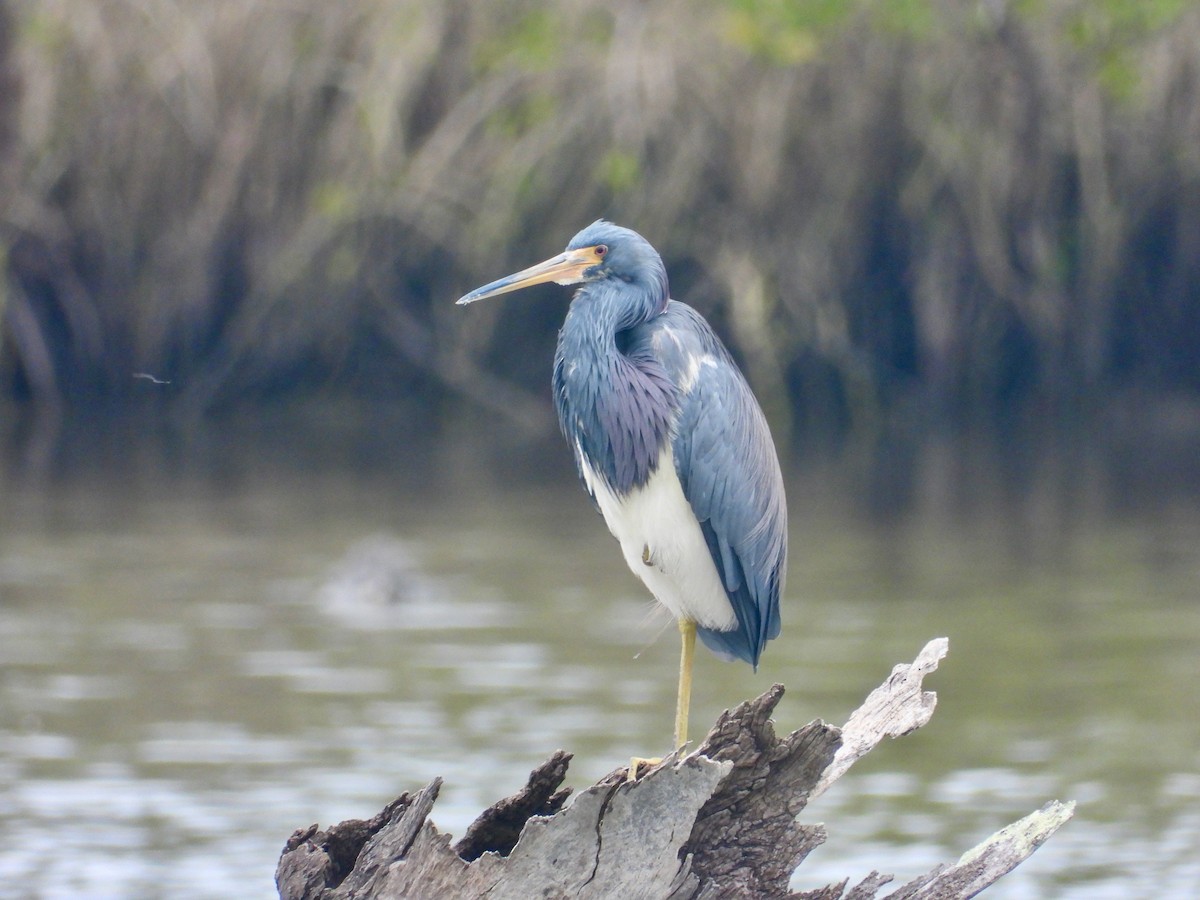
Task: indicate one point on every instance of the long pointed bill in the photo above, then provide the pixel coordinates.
(566, 268)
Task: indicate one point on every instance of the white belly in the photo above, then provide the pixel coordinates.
(663, 545)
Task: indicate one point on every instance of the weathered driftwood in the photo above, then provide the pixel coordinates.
(716, 822)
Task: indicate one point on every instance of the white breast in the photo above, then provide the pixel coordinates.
(663, 545)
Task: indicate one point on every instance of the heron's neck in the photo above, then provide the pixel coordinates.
(614, 407)
(599, 313)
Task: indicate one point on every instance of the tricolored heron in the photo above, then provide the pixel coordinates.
(670, 443)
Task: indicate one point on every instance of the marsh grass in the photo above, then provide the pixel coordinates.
(969, 203)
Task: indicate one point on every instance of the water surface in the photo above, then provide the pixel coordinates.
(201, 653)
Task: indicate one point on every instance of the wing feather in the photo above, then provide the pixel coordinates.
(729, 470)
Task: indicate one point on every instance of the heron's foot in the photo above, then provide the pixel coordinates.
(640, 762)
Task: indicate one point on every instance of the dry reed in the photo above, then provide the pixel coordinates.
(973, 203)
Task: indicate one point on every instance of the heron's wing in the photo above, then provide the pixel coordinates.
(729, 471)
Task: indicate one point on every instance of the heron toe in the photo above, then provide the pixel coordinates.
(637, 762)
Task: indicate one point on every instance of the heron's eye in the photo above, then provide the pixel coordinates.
(600, 250)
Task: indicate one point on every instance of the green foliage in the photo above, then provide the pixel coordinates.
(533, 43)
(1105, 22)
(906, 18)
(791, 32)
(620, 171)
(783, 32)
(1114, 33)
(44, 32)
(333, 200)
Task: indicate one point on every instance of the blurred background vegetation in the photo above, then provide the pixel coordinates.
(902, 212)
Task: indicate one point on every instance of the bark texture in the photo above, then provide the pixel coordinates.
(720, 821)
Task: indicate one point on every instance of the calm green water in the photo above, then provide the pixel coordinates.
(204, 649)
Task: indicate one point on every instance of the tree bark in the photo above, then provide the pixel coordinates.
(717, 822)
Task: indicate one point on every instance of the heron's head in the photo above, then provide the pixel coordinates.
(601, 251)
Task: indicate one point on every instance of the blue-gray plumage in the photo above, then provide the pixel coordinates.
(669, 441)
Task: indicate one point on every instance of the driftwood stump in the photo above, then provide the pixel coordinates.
(717, 822)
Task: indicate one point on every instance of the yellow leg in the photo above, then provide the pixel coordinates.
(687, 635)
